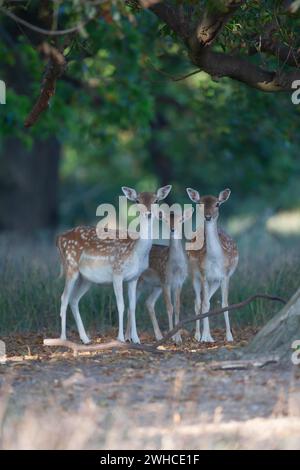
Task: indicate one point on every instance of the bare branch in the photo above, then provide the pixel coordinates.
(55, 68)
(98, 347)
(215, 312)
(154, 349)
(37, 29)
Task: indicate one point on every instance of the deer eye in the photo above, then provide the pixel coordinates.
(217, 204)
(137, 201)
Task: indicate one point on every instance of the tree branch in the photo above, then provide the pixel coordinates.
(219, 64)
(173, 16)
(56, 66)
(238, 68)
(213, 21)
(39, 30)
(154, 349)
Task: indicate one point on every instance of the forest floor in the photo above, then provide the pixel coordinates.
(131, 399)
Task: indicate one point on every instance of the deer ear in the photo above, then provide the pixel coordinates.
(193, 194)
(224, 195)
(129, 193)
(162, 193)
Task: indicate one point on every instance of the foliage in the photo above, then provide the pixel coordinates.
(121, 121)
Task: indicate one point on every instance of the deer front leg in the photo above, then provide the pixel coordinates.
(225, 289)
(128, 328)
(131, 310)
(197, 291)
(118, 289)
(206, 336)
(169, 306)
(177, 293)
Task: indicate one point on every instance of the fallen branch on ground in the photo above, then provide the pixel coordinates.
(154, 349)
(76, 347)
(245, 363)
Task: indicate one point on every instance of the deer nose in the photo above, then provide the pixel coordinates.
(208, 218)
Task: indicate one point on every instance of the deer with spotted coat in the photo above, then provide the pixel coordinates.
(212, 265)
(88, 259)
(167, 272)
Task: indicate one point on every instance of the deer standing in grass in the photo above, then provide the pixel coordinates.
(212, 265)
(167, 271)
(88, 259)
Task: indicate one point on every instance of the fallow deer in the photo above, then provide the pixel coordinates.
(212, 265)
(167, 272)
(88, 259)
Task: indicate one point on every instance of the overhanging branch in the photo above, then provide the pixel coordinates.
(56, 66)
(213, 21)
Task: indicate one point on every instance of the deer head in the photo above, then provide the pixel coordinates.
(211, 203)
(175, 220)
(146, 200)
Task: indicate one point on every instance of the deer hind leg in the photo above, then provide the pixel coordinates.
(208, 291)
(177, 293)
(225, 289)
(150, 304)
(81, 287)
(197, 290)
(118, 289)
(71, 279)
(132, 307)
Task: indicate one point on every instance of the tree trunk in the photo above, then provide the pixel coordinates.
(29, 185)
(279, 333)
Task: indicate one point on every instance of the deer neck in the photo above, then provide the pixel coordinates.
(144, 242)
(175, 245)
(212, 240)
(176, 251)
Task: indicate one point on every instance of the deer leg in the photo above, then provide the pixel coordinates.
(139, 290)
(206, 336)
(150, 304)
(177, 293)
(169, 306)
(208, 290)
(118, 290)
(197, 290)
(132, 307)
(69, 285)
(225, 289)
(78, 292)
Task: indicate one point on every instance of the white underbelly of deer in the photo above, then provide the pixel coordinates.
(97, 269)
(135, 265)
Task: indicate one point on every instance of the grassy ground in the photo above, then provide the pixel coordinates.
(30, 288)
